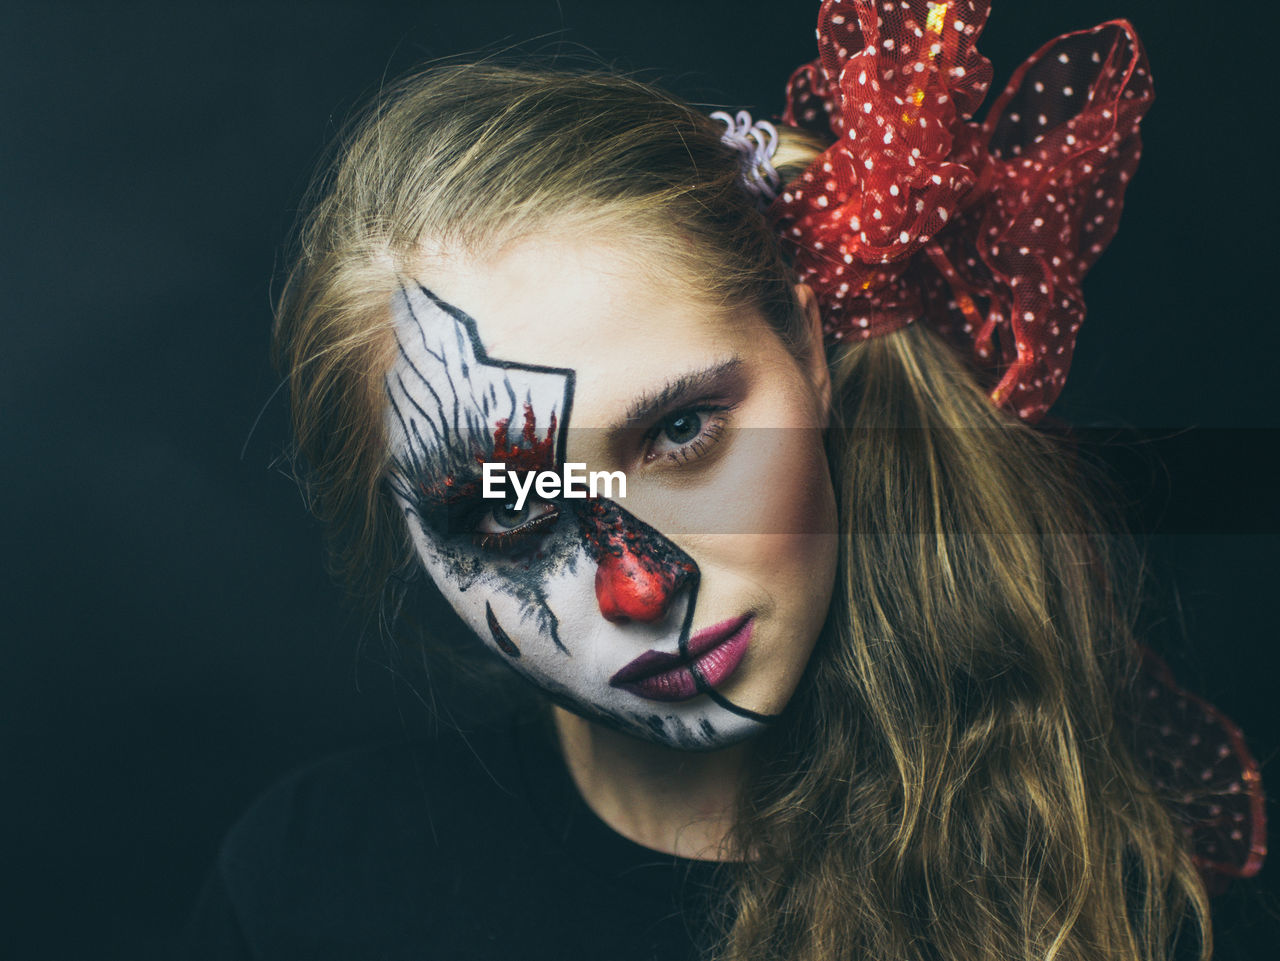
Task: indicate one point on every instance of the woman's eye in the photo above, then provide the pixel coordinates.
(686, 435)
(682, 428)
(506, 529)
(507, 516)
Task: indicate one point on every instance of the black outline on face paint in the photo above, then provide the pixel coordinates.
(500, 637)
(420, 459)
(710, 691)
(482, 357)
(457, 446)
(657, 544)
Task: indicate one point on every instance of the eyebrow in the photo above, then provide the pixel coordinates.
(679, 390)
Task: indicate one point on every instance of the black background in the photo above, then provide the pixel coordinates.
(172, 643)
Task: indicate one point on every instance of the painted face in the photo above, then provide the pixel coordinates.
(683, 612)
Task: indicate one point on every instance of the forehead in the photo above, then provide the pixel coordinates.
(597, 308)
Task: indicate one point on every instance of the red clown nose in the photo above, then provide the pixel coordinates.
(638, 571)
(627, 589)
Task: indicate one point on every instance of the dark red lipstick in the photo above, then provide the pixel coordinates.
(715, 651)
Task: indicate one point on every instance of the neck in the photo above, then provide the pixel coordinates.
(677, 802)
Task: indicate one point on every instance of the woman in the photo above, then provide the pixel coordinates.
(838, 665)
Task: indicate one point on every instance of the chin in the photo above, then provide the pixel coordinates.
(698, 724)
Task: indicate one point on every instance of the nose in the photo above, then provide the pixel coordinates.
(628, 588)
(638, 571)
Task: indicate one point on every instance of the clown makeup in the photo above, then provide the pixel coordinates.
(683, 614)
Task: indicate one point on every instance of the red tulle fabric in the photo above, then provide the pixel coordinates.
(985, 231)
(1200, 763)
(919, 212)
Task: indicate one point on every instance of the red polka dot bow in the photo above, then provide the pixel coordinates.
(918, 211)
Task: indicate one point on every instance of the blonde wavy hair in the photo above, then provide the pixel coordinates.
(955, 777)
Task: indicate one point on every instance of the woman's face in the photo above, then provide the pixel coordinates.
(683, 612)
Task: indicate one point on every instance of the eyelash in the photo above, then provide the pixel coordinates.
(465, 511)
(512, 540)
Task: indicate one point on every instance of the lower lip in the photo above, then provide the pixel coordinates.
(715, 666)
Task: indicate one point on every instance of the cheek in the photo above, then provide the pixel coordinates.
(763, 522)
(779, 555)
(776, 550)
(774, 484)
(454, 574)
(785, 518)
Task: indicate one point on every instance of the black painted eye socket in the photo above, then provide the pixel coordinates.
(682, 428)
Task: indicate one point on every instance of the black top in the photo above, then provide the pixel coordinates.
(462, 848)
(474, 847)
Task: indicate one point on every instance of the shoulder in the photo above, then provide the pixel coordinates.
(387, 788)
(470, 847)
(373, 847)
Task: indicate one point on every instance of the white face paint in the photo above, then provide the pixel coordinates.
(585, 599)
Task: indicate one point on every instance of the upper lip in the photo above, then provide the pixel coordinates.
(656, 662)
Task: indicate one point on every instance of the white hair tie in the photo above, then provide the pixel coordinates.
(757, 142)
